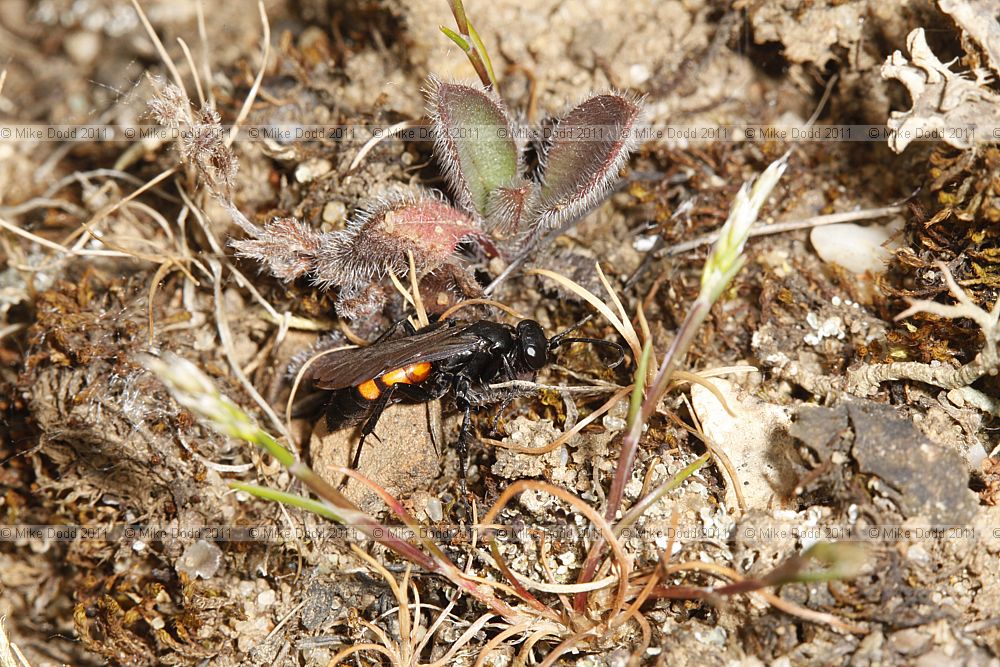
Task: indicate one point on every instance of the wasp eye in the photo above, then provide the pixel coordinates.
(534, 356)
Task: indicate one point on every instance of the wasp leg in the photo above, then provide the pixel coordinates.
(494, 428)
(464, 399)
(381, 403)
(463, 450)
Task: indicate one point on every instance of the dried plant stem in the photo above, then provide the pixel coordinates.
(488, 647)
(620, 558)
(565, 646)
(241, 280)
(194, 70)
(298, 379)
(390, 131)
(791, 226)
(252, 94)
(627, 331)
(10, 654)
(203, 36)
(568, 435)
(52, 245)
(226, 339)
(474, 629)
(562, 389)
(338, 659)
(418, 301)
(775, 601)
(160, 49)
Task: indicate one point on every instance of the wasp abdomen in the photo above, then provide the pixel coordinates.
(412, 374)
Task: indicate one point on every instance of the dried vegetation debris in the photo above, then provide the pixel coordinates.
(945, 103)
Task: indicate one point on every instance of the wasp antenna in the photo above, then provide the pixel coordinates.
(555, 341)
(594, 341)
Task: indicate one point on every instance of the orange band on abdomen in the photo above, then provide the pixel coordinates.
(369, 390)
(412, 374)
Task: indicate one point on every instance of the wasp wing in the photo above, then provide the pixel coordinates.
(349, 368)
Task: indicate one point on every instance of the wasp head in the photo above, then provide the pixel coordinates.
(533, 345)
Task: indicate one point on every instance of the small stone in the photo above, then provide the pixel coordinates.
(916, 553)
(858, 249)
(434, 509)
(201, 559)
(312, 169)
(755, 437)
(334, 211)
(613, 423)
(639, 74)
(82, 46)
(910, 641)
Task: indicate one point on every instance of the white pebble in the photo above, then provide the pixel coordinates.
(858, 249)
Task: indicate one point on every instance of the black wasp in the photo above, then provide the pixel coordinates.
(444, 357)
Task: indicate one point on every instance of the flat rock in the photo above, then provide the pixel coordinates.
(405, 460)
(755, 439)
(932, 481)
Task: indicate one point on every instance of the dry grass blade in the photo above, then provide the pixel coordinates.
(241, 280)
(402, 289)
(10, 654)
(792, 225)
(467, 636)
(488, 647)
(399, 590)
(252, 94)
(592, 515)
(226, 339)
(627, 332)
(52, 245)
(548, 587)
(695, 378)
(206, 70)
(357, 648)
(194, 70)
(622, 313)
(565, 437)
(566, 646)
(160, 49)
(775, 601)
(418, 302)
(390, 131)
(717, 453)
(160, 274)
